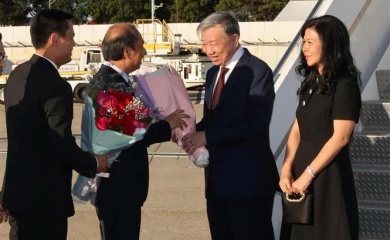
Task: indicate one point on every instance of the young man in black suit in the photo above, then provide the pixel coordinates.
(242, 177)
(120, 197)
(41, 149)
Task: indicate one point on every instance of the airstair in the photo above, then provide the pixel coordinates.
(370, 155)
(368, 22)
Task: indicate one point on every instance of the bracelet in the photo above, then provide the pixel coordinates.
(310, 171)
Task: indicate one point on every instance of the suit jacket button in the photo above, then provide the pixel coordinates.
(303, 103)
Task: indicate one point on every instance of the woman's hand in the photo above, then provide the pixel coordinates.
(302, 183)
(286, 179)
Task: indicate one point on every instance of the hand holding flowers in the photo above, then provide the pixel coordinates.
(103, 163)
(192, 141)
(3, 214)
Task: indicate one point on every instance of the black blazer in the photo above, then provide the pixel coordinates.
(41, 149)
(129, 177)
(237, 132)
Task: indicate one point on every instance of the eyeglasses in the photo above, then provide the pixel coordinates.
(3, 57)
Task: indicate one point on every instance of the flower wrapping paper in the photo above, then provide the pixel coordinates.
(99, 142)
(103, 142)
(164, 90)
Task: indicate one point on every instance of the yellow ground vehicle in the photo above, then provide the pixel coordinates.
(164, 47)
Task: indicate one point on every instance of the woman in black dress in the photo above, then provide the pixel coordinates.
(317, 155)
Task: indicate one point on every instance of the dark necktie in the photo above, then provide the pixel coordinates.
(218, 88)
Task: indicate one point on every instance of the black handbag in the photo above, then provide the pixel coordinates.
(298, 208)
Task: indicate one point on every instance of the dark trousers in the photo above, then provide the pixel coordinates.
(119, 223)
(240, 219)
(39, 228)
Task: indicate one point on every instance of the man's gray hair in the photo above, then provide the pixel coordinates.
(226, 19)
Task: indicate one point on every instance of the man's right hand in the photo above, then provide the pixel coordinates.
(103, 164)
(3, 214)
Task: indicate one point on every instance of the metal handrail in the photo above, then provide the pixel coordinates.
(279, 66)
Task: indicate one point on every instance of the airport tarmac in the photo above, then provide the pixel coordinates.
(174, 210)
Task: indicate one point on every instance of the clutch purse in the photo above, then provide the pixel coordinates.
(298, 208)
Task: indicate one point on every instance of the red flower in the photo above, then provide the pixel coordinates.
(102, 123)
(120, 111)
(128, 129)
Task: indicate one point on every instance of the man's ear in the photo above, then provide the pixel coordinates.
(235, 39)
(127, 52)
(53, 39)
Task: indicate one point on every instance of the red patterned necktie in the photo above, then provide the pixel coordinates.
(218, 88)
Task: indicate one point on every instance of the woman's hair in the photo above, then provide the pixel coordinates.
(229, 23)
(336, 58)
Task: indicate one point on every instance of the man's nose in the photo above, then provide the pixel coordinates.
(207, 50)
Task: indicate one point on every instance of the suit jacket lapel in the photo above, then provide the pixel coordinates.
(210, 93)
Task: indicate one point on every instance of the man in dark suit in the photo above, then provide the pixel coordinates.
(242, 177)
(41, 149)
(120, 196)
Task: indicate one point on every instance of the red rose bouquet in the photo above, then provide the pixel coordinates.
(112, 120)
(121, 112)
